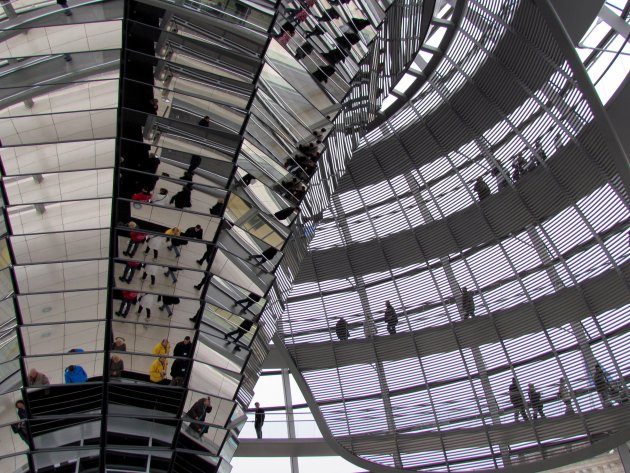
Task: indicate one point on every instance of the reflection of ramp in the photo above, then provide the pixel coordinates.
(36, 70)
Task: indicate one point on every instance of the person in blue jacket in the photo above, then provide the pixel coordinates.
(75, 374)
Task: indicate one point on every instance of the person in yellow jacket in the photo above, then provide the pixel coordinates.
(162, 348)
(157, 373)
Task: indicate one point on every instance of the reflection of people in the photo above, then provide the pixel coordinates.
(205, 121)
(198, 412)
(183, 348)
(119, 344)
(266, 255)
(35, 378)
(167, 302)
(249, 301)
(75, 374)
(20, 427)
(157, 372)
(259, 420)
(178, 372)
(217, 209)
(162, 348)
(128, 298)
(182, 198)
(156, 242)
(135, 239)
(241, 330)
(195, 161)
(116, 366)
(64, 5)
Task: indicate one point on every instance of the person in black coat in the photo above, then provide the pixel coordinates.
(259, 420)
(183, 348)
(217, 209)
(482, 189)
(249, 301)
(341, 329)
(195, 161)
(535, 402)
(182, 198)
(468, 304)
(266, 255)
(179, 368)
(391, 318)
(516, 398)
(20, 427)
(242, 329)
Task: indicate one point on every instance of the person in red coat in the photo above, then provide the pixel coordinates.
(128, 298)
(135, 239)
(143, 196)
(130, 270)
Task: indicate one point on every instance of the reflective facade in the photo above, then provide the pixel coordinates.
(154, 154)
(182, 179)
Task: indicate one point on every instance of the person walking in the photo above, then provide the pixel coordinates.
(565, 396)
(259, 420)
(207, 255)
(535, 402)
(195, 161)
(64, 6)
(205, 121)
(168, 302)
(602, 385)
(128, 298)
(135, 239)
(266, 255)
(156, 242)
(481, 188)
(150, 270)
(182, 198)
(145, 301)
(249, 301)
(391, 318)
(157, 372)
(516, 398)
(468, 304)
(341, 329)
(241, 330)
(130, 270)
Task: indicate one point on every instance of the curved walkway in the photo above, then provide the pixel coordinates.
(501, 214)
(598, 422)
(604, 292)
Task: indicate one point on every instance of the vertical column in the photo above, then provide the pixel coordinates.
(288, 403)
